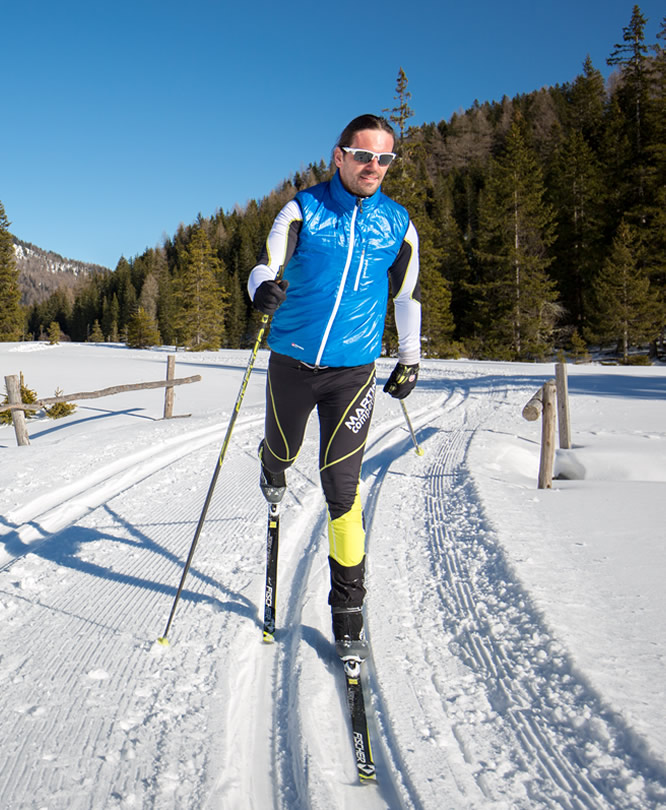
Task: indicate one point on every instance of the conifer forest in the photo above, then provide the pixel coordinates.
(541, 218)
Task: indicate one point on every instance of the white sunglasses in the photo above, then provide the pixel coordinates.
(366, 155)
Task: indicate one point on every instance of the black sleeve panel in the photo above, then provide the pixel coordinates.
(288, 247)
(398, 271)
(292, 240)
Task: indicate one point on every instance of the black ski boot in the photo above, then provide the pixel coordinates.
(273, 485)
(350, 642)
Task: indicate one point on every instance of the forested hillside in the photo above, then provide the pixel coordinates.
(42, 272)
(542, 221)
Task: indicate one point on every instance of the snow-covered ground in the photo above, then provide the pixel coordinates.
(518, 635)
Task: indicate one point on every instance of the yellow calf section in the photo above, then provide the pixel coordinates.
(346, 536)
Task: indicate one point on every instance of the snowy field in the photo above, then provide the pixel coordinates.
(518, 635)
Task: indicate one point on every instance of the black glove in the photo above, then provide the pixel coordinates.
(269, 295)
(403, 378)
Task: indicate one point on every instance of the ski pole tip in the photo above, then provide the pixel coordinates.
(419, 451)
(163, 640)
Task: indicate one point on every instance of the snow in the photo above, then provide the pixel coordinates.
(518, 634)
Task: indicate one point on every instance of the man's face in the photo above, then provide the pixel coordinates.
(363, 179)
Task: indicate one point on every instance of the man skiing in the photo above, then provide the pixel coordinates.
(340, 245)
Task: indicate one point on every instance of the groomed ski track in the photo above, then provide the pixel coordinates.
(470, 696)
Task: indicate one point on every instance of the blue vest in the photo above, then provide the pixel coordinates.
(338, 277)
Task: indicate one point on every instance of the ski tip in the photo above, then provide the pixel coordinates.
(269, 638)
(163, 640)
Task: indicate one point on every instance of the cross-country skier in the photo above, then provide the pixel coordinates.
(341, 244)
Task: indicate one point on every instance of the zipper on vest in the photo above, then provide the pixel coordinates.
(341, 288)
(359, 271)
(359, 203)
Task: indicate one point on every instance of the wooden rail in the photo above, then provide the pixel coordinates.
(18, 408)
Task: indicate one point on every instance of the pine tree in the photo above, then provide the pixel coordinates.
(437, 323)
(408, 183)
(578, 193)
(86, 309)
(165, 295)
(235, 320)
(246, 243)
(657, 108)
(110, 316)
(54, 333)
(615, 159)
(142, 331)
(631, 56)
(200, 301)
(126, 291)
(455, 266)
(655, 237)
(516, 298)
(11, 313)
(149, 295)
(402, 112)
(588, 104)
(627, 309)
(60, 409)
(96, 335)
(579, 350)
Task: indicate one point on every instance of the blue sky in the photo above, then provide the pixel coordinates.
(121, 120)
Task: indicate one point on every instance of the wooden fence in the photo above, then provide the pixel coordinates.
(551, 397)
(18, 408)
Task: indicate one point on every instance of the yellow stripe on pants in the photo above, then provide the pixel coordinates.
(346, 535)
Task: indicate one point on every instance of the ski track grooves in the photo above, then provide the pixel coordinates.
(491, 675)
(122, 695)
(529, 683)
(60, 508)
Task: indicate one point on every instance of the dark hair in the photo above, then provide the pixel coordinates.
(367, 121)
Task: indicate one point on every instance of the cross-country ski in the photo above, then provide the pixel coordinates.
(359, 721)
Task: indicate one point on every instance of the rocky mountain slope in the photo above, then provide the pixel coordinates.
(41, 272)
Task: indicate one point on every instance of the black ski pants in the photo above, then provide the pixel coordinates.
(344, 398)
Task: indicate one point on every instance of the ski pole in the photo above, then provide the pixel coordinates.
(417, 448)
(232, 421)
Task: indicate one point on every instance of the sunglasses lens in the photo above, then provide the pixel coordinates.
(385, 159)
(363, 157)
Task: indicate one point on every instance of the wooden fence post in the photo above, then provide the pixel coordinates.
(563, 405)
(18, 416)
(547, 436)
(168, 391)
